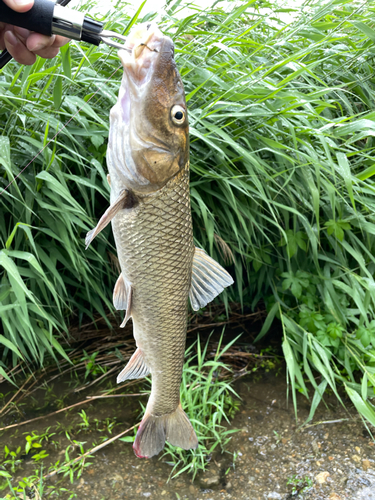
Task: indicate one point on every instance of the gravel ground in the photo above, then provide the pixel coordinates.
(333, 459)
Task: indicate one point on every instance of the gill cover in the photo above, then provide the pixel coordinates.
(148, 141)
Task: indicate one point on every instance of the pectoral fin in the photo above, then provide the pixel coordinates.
(207, 281)
(125, 200)
(136, 368)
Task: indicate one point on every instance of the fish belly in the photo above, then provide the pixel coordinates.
(155, 248)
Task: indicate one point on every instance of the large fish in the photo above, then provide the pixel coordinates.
(148, 163)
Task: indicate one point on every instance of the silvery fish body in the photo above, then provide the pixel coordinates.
(148, 163)
(155, 249)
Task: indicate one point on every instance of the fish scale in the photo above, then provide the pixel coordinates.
(155, 250)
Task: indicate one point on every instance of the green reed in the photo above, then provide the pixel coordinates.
(282, 139)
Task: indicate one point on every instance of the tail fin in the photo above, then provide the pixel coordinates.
(154, 431)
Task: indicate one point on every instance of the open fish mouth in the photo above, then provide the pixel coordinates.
(143, 47)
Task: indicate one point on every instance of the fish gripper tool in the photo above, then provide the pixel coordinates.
(50, 18)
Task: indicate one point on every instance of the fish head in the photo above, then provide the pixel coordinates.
(149, 135)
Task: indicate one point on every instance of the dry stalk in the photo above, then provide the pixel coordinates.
(16, 394)
(68, 407)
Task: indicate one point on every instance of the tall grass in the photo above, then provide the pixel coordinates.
(282, 139)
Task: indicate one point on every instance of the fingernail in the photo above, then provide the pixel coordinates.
(34, 44)
(21, 3)
(10, 39)
(36, 47)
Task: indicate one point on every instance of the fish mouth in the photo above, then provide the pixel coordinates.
(142, 50)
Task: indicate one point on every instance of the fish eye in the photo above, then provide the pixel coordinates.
(178, 114)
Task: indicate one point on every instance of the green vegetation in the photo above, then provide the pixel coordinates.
(208, 400)
(27, 464)
(35, 483)
(299, 485)
(282, 159)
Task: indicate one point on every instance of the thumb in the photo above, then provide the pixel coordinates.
(19, 5)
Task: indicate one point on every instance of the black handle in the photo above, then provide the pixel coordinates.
(38, 18)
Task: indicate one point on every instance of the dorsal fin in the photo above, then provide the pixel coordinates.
(207, 281)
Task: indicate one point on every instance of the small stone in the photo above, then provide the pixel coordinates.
(322, 477)
(316, 447)
(163, 492)
(209, 481)
(117, 477)
(228, 486)
(358, 449)
(192, 489)
(366, 464)
(330, 458)
(261, 455)
(334, 496)
(356, 459)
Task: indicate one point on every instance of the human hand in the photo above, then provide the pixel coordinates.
(23, 44)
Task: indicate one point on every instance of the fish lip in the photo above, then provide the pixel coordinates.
(141, 51)
(146, 34)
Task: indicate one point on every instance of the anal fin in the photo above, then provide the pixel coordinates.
(207, 281)
(136, 368)
(124, 200)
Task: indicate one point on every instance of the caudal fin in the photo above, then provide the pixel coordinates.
(153, 432)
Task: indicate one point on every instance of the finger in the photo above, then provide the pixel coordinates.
(48, 53)
(19, 5)
(21, 33)
(17, 49)
(60, 41)
(45, 48)
(36, 42)
(3, 27)
(2, 44)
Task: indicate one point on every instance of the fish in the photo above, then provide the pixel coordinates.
(150, 213)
